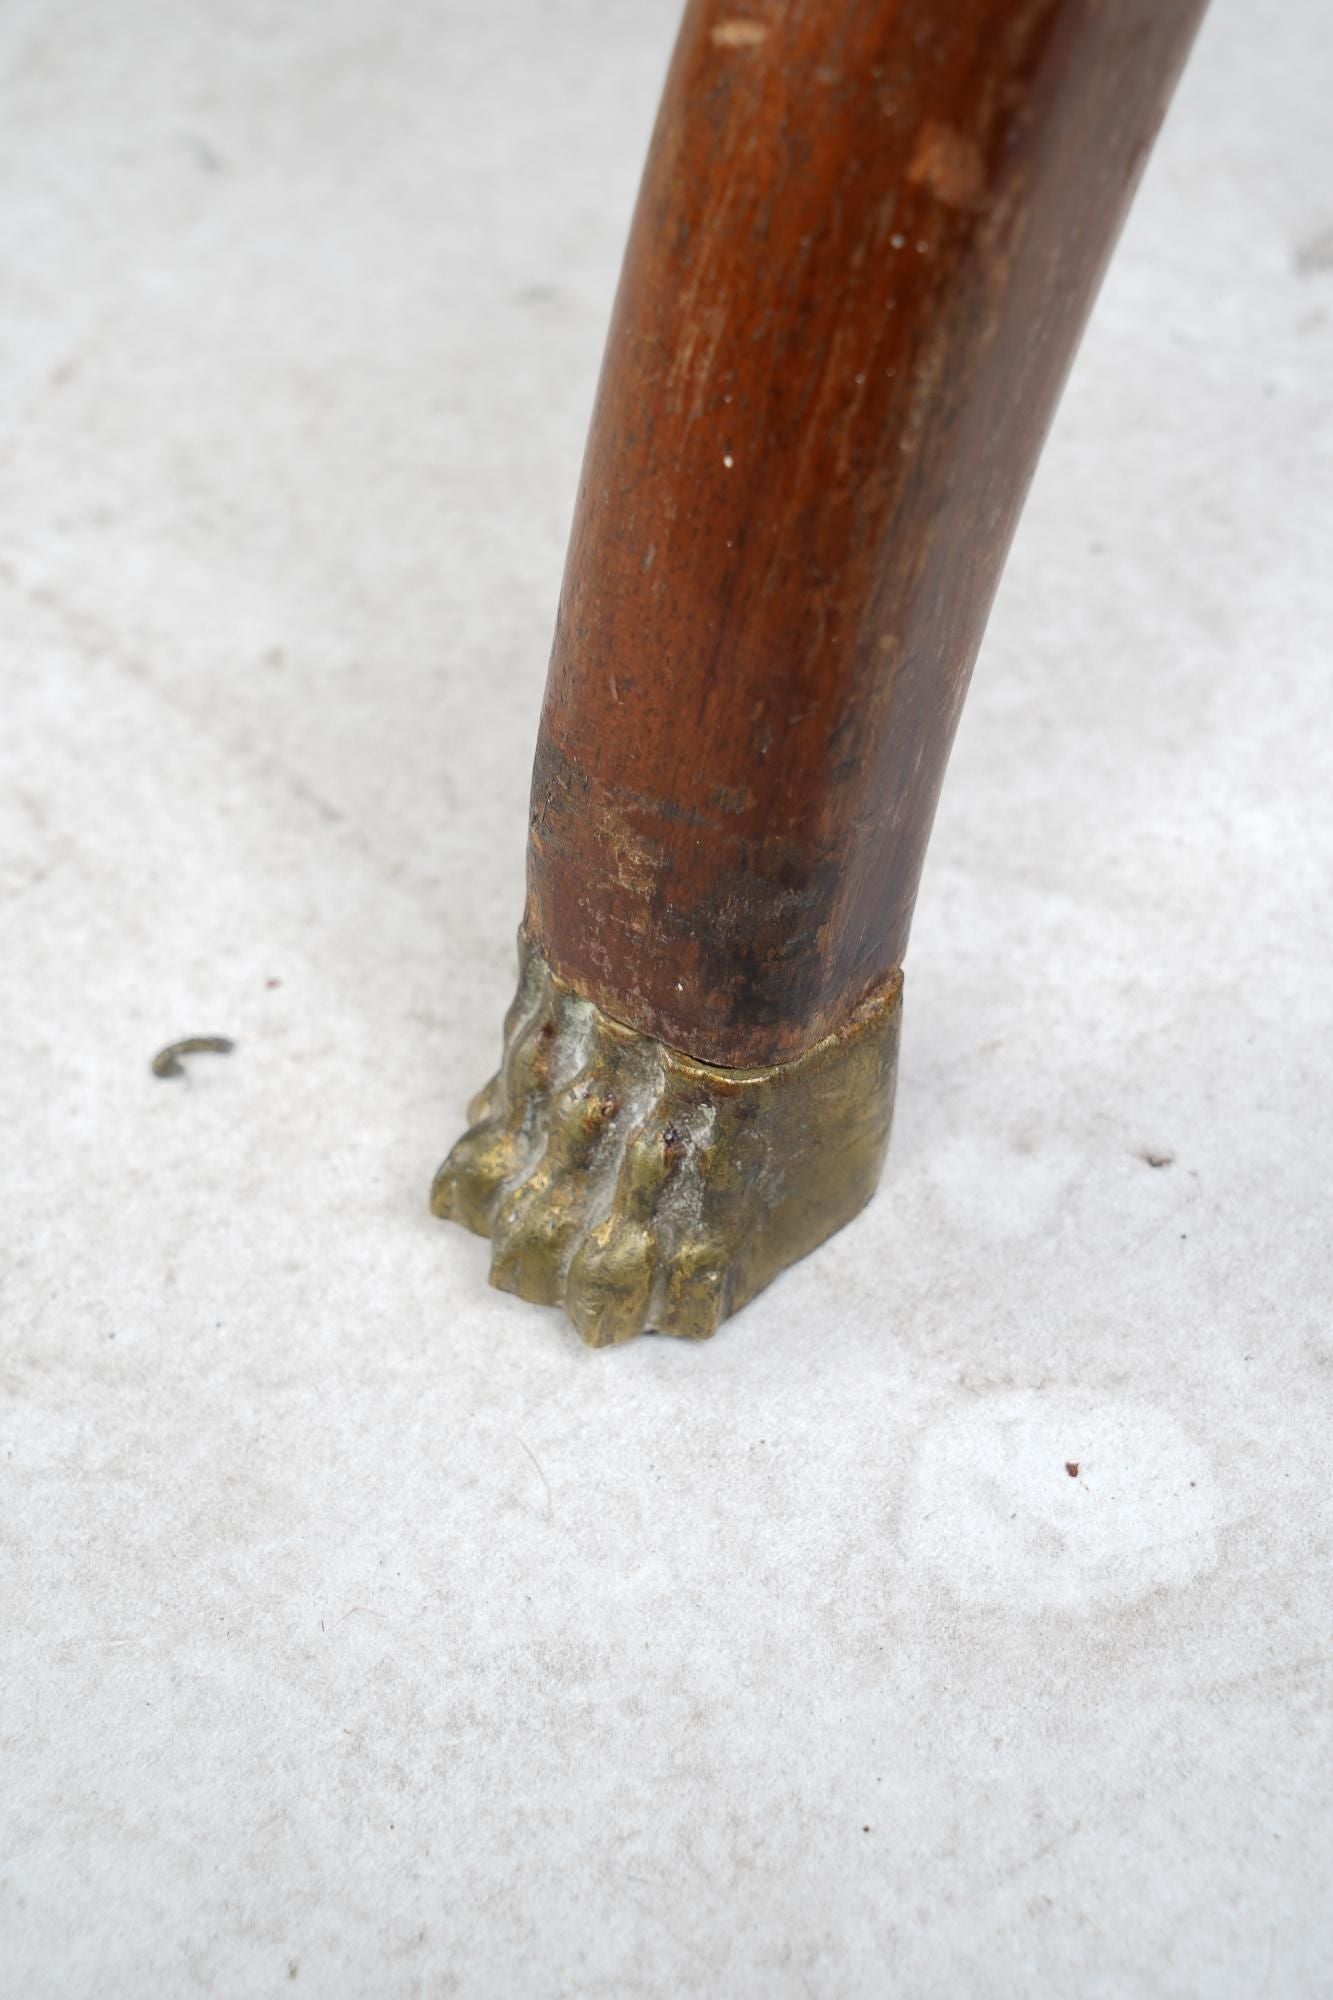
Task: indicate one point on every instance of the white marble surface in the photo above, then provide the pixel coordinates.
(364, 1635)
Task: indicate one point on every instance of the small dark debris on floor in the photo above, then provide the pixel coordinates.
(167, 1061)
(1071, 1467)
(1159, 1159)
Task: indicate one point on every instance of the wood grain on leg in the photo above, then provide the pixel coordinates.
(867, 240)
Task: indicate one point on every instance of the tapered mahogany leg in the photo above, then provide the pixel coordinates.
(866, 244)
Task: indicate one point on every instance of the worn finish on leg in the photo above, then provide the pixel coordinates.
(867, 241)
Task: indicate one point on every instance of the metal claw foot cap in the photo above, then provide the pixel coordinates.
(647, 1192)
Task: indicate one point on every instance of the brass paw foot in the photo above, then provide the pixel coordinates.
(648, 1192)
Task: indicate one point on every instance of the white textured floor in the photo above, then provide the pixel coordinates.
(362, 1633)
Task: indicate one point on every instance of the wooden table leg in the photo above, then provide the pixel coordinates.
(866, 244)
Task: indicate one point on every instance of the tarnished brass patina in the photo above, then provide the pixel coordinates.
(648, 1192)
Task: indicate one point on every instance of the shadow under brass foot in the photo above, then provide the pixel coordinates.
(644, 1191)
